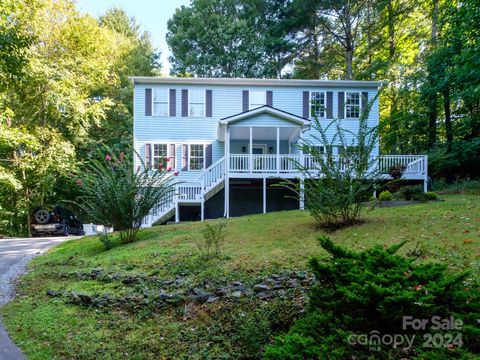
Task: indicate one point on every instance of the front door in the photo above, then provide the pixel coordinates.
(257, 150)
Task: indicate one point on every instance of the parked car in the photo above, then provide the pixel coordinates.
(56, 221)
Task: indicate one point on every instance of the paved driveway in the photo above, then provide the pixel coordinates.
(14, 255)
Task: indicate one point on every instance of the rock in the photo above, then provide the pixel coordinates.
(131, 280)
(221, 292)
(291, 283)
(168, 282)
(197, 291)
(165, 296)
(202, 297)
(237, 294)
(212, 299)
(301, 275)
(277, 287)
(261, 288)
(96, 272)
(275, 276)
(262, 295)
(73, 297)
(53, 293)
(237, 283)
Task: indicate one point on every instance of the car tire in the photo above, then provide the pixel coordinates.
(65, 231)
(42, 216)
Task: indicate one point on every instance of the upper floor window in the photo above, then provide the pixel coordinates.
(257, 98)
(160, 102)
(352, 105)
(196, 99)
(317, 104)
(197, 157)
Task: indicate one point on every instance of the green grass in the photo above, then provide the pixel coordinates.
(48, 328)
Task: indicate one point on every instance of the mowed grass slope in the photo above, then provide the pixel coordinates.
(48, 328)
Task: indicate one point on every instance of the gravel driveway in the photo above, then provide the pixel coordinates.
(14, 255)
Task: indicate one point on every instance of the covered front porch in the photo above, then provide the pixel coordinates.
(262, 142)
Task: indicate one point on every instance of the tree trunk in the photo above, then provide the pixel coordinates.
(391, 32)
(432, 119)
(349, 60)
(448, 118)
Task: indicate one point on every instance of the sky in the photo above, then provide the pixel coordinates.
(152, 15)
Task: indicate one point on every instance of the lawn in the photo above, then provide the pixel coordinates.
(257, 246)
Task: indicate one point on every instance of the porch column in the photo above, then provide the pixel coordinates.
(250, 152)
(227, 175)
(425, 171)
(177, 210)
(264, 195)
(278, 150)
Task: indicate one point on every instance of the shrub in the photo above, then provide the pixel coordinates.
(385, 196)
(336, 187)
(430, 196)
(369, 293)
(213, 236)
(115, 195)
(414, 192)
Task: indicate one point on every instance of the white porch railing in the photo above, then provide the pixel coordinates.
(287, 163)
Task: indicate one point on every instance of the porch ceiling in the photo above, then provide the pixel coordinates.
(264, 133)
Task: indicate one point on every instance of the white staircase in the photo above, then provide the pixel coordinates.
(196, 191)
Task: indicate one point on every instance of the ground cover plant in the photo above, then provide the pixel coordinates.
(368, 294)
(255, 249)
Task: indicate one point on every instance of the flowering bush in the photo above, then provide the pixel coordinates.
(117, 196)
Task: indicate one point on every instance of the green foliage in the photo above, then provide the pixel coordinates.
(213, 236)
(385, 196)
(114, 195)
(458, 187)
(430, 196)
(227, 38)
(411, 192)
(335, 187)
(361, 292)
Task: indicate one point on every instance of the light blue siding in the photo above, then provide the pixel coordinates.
(227, 101)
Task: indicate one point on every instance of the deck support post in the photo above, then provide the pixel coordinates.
(425, 171)
(202, 204)
(251, 150)
(278, 150)
(264, 195)
(227, 174)
(177, 211)
(302, 193)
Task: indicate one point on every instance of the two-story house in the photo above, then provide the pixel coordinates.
(229, 140)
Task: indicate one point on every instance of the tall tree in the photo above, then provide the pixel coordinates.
(227, 38)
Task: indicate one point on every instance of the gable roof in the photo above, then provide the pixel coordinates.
(265, 109)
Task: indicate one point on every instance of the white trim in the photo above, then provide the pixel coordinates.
(204, 156)
(360, 105)
(256, 82)
(204, 103)
(152, 155)
(268, 110)
(153, 102)
(260, 146)
(324, 106)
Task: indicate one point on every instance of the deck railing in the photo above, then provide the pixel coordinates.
(287, 163)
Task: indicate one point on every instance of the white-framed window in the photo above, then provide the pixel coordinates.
(352, 105)
(161, 152)
(160, 103)
(318, 104)
(257, 98)
(196, 103)
(196, 158)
